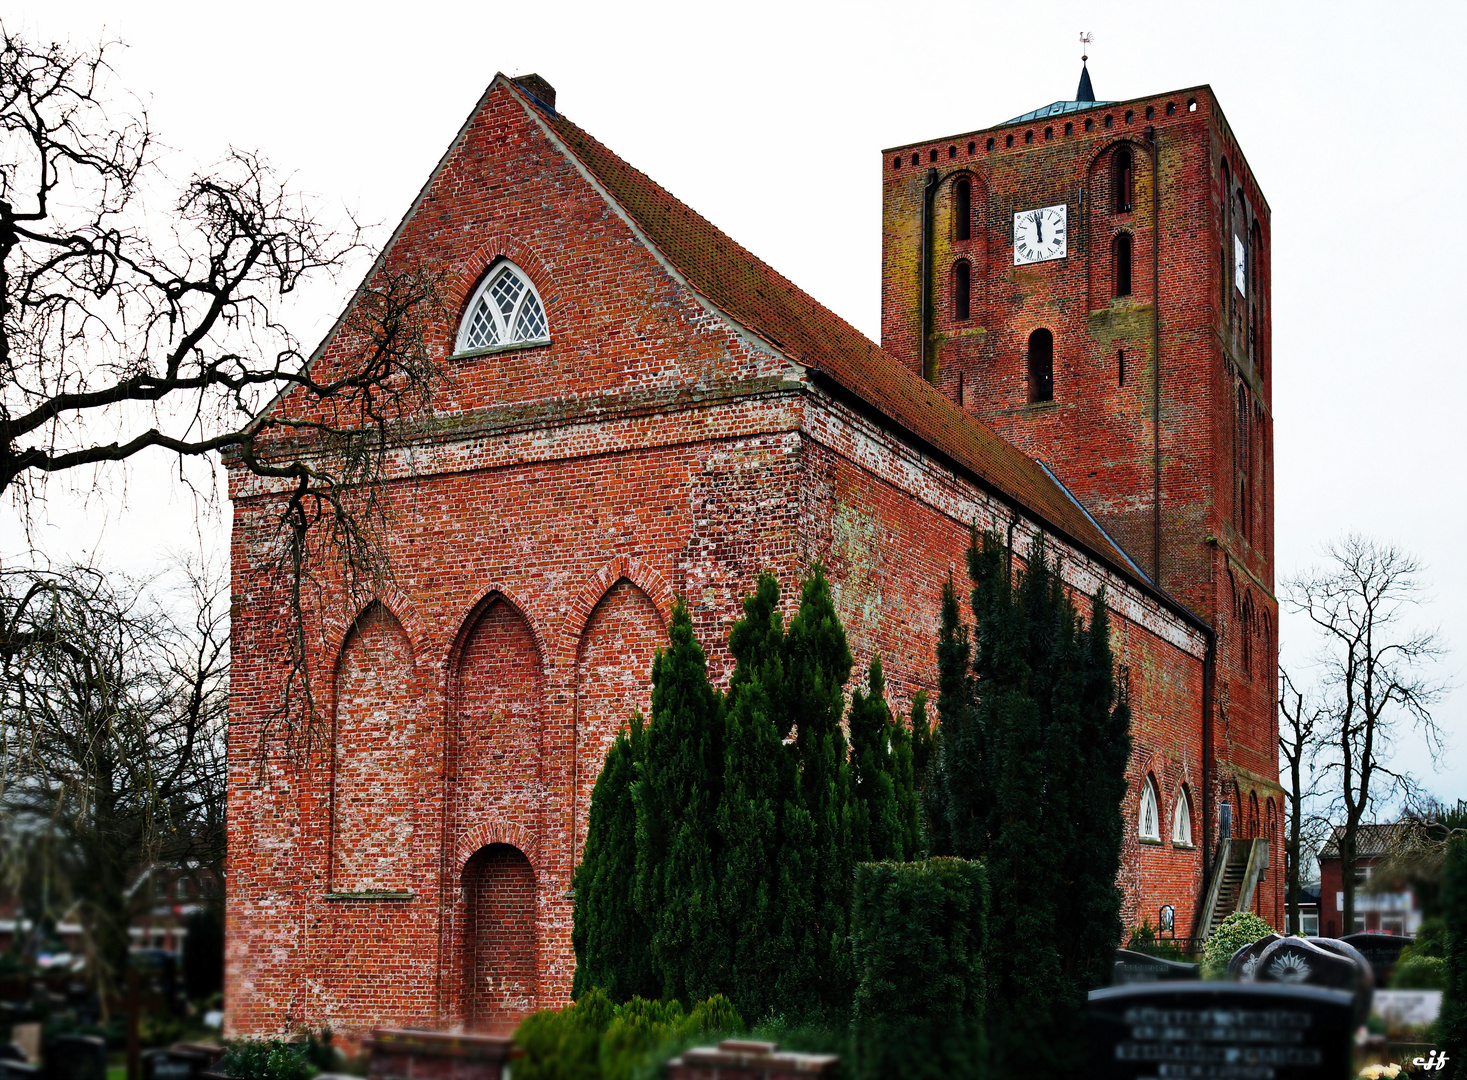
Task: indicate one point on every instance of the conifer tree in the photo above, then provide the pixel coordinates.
(877, 829)
(677, 796)
(815, 866)
(904, 783)
(1032, 760)
(611, 939)
(756, 783)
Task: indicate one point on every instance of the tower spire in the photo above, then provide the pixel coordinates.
(1086, 92)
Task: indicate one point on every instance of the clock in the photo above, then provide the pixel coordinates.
(1040, 235)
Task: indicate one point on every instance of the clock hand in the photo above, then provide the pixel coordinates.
(1039, 225)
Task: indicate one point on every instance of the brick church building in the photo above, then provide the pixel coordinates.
(1075, 344)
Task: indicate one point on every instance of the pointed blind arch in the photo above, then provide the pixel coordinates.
(505, 310)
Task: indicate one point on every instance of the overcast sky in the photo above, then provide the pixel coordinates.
(769, 118)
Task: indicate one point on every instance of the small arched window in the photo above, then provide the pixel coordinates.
(962, 209)
(505, 310)
(1125, 180)
(1041, 366)
(1122, 259)
(1253, 815)
(1182, 820)
(1149, 822)
(962, 289)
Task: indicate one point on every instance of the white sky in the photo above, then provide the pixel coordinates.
(768, 118)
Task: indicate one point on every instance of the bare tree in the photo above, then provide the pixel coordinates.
(1375, 676)
(138, 313)
(1299, 736)
(112, 743)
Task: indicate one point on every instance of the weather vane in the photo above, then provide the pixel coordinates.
(1085, 40)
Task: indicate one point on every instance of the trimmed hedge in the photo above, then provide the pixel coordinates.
(919, 931)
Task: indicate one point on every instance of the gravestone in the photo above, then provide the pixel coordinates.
(75, 1057)
(1220, 1031)
(175, 1064)
(12, 1052)
(1136, 967)
(19, 1070)
(1381, 950)
(1302, 961)
(1243, 962)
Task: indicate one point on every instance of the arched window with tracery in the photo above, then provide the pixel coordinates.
(1041, 366)
(1182, 819)
(1148, 822)
(505, 310)
(962, 289)
(1125, 181)
(1121, 258)
(962, 209)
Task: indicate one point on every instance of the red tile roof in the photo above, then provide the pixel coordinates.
(754, 294)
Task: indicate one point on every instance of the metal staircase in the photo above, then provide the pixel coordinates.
(1240, 866)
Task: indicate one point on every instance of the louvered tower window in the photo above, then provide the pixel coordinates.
(504, 311)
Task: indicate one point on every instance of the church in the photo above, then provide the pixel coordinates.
(1075, 345)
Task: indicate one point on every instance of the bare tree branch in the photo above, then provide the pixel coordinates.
(1375, 676)
(139, 313)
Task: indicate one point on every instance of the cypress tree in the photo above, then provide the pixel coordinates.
(1032, 759)
(611, 939)
(815, 860)
(755, 786)
(878, 833)
(677, 795)
(904, 780)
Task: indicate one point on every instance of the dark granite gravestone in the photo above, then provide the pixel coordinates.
(1136, 967)
(1243, 961)
(75, 1057)
(1219, 1031)
(19, 1070)
(1303, 962)
(174, 1064)
(10, 1051)
(1380, 950)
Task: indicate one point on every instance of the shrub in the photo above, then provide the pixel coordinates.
(1238, 929)
(1144, 940)
(596, 1040)
(1420, 973)
(918, 935)
(273, 1059)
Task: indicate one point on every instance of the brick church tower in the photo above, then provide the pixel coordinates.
(1091, 280)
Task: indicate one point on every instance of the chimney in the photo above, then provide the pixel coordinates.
(538, 89)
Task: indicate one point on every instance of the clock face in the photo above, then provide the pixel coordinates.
(1040, 235)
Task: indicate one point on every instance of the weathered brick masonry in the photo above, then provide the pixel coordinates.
(692, 420)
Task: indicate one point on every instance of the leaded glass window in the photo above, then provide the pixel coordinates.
(1182, 819)
(1150, 825)
(505, 311)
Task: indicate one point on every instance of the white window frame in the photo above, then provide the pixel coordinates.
(507, 329)
(1182, 820)
(1149, 802)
